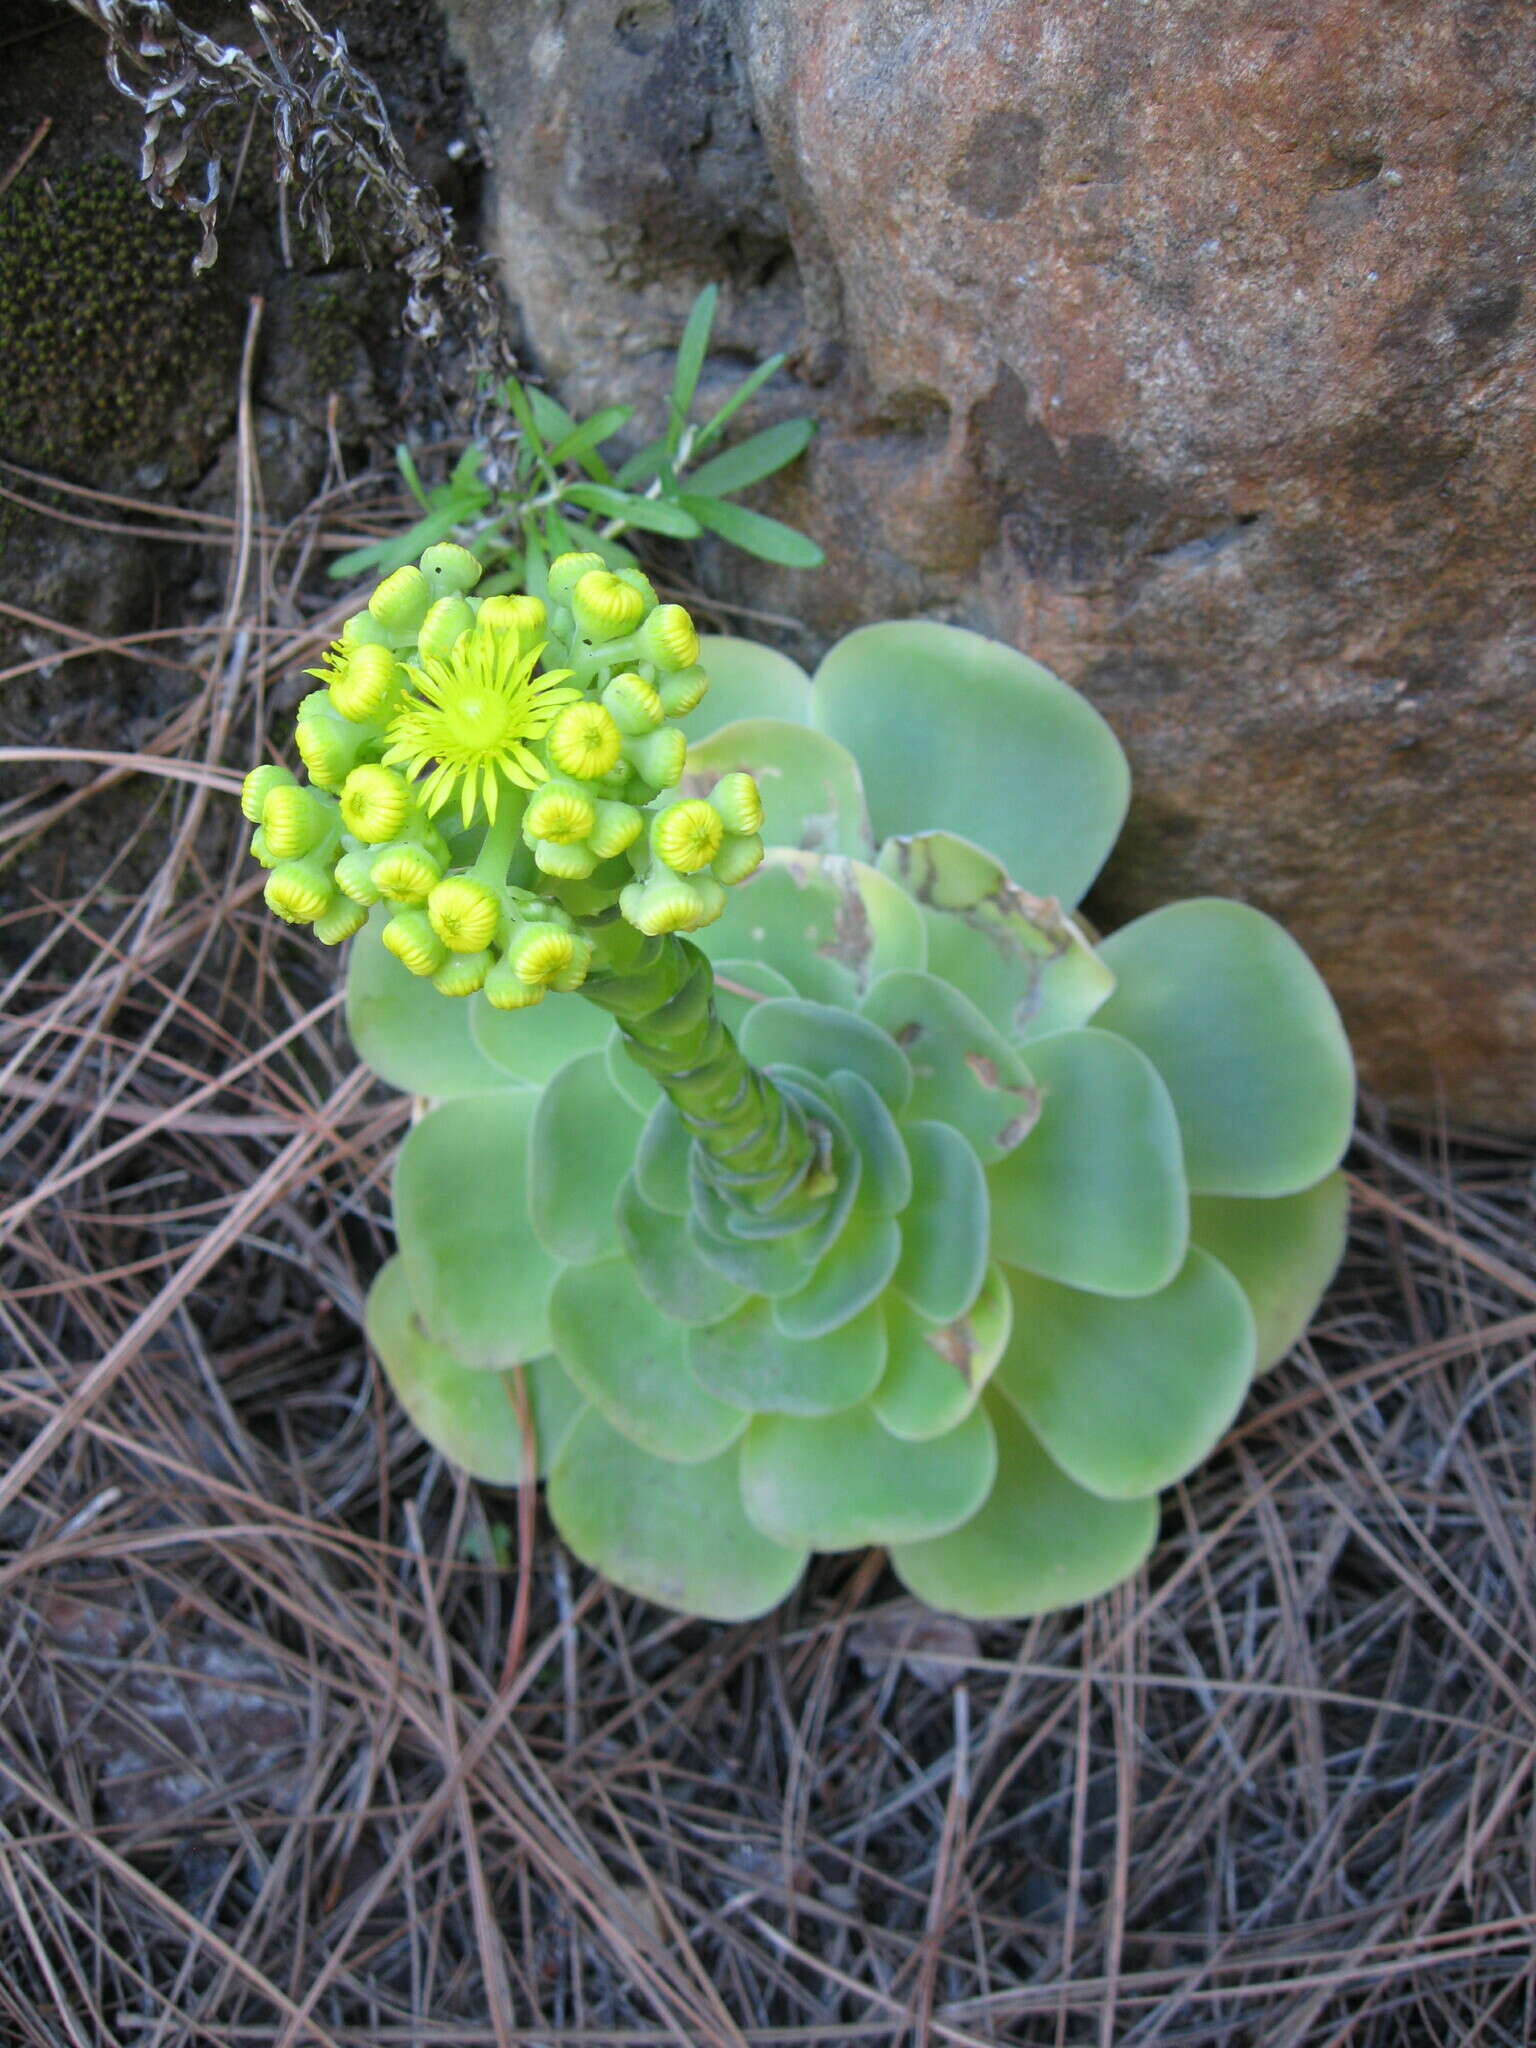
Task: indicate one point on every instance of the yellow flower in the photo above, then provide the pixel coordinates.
(472, 719)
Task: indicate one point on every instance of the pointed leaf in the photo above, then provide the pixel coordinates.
(956, 733)
(792, 1031)
(651, 515)
(749, 1361)
(533, 1045)
(582, 1148)
(1039, 1543)
(478, 1276)
(469, 1416)
(1022, 961)
(748, 462)
(850, 1275)
(747, 681)
(1095, 1195)
(631, 1362)
(666, 1265)
(887, 1180)
(770, 540)
(944, 1233)
(691, 350)
(828, 924)
(810, 785)
(965, 1073)
(1282, 1252)
(1128, 1396)
(411, 1036)
(936, 1371)
(1236, 1019)
(842, 1481)
(675, 1534)
(749, 387)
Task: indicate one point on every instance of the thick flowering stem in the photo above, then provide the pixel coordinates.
(661, 993)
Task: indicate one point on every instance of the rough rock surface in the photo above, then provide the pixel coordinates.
(1190, 347)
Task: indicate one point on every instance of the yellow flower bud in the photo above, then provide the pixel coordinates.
(740, 855)
(565, 863)
(683, 692)
(739, 801)
(638, 580)
(711, 899)
(584, 742)
(340, 922)
(327, 747)
(514, 613)
(560, 813)
(463, 973)
(504, 991)
(450, 569)
(566, 571)
(375, 803)
(666, 904)
(258, 786)
(569, 979)
(687, 836)
(363, 630)
(367, 682)
(405, 874)
(634, 704)
(659, 757)
(448, 620)
(293, 820)
(354, 878)
(414, 943)
(299, 891)
(604, 608)
(401, 601)
(669, 639)
(464, 913)
(538, 952)
(260, 851)
(618, 827)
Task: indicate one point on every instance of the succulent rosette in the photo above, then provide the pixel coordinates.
(891, 1207)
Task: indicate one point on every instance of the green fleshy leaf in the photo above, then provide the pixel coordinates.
(1022, 961)
(828, 924)
(746, 681)
(770, 540)
(1237, 1021)
(931, 712)
(631, 1362)
(1128, 1396)
(936, 1371)
(582, 1148)
(944, 1232)
(1039, 1543)
(468, 1415)
(965, 1072)
(533, 1045)
(479, 1277)
(639, 1089)
(662, 1161)
(842, 1481)
(851, 1274)
(747, 1360)
(780, 1266)
(411, 1036)
(810, 786)
(672, 1533)
(819, 1036)
(760, 455)
(756, 975)
(666, 1265)
(1282, 1252)
(887, 1179)
(1095, 1195)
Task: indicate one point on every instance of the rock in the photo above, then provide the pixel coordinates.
(1189, 349)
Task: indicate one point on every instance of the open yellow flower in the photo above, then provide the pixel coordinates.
(471, 716)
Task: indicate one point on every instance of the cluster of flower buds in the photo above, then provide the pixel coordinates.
(552, 722)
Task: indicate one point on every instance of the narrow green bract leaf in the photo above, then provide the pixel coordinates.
(759, 456)
(478, 1276)
(582, 1147)
(746, 1359)
(631, 1362)
(410, 1036)
(1128, 1396)
(770, 540)
(691, 351)
(470, 1416)
(1237, 1021)
(810, 786)
(1282, 1252)
(1038, 1543)
(1095, 1195)
(956, 733)
(672, 1533)
(844, 1481)
(651, 515)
